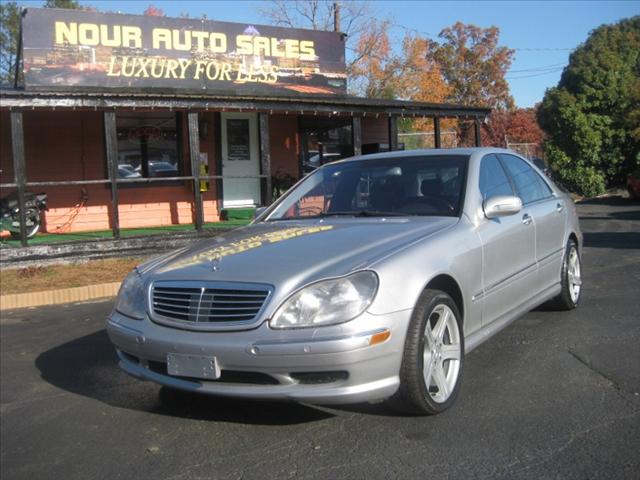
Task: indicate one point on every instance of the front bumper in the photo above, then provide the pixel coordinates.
(343, 366)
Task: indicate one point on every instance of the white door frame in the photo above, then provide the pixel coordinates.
(240, 192)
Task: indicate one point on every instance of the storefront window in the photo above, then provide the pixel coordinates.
(148, 144)
(325, 140)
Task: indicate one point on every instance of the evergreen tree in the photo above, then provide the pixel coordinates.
(592, 118)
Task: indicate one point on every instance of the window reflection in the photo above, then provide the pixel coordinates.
(148, 144)
(325, 140)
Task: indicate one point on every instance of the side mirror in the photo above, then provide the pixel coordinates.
(259, 211)
(501, 206)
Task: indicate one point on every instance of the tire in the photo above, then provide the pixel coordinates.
(570, 279)
(414, 396)
(33, 217)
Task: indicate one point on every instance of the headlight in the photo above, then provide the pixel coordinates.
(131, 297)
(327, 302)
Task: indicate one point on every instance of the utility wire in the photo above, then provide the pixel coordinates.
(534, 74)
(436, 37)
(539, 69)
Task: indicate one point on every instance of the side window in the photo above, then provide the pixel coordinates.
(528, 183)
(493, 179)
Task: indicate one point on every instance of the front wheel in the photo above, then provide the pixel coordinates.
(570, 279)
(431, 370)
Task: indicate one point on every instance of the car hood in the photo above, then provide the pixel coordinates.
(293, 253)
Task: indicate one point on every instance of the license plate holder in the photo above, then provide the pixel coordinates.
(194, 366)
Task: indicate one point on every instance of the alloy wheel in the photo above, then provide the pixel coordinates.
(573, 274)
(442, 353)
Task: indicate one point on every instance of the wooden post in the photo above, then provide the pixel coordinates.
(393, 133)
(476, 124)
(357, 136)
(336, 17)
(265, 157)
(194, 155)
(19, 170)
(437, 139)
(217, 142)
(111, 144)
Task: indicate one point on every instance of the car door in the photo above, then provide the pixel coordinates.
(548, 212)
(508, 248)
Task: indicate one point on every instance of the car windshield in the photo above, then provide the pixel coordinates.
(396, 186)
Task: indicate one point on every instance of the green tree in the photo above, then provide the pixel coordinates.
(592, 118)
(9, 31)
(68, 4)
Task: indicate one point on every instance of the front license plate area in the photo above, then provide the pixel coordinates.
(195, 366)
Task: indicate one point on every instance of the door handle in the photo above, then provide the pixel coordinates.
(526, 219)
(559, 208)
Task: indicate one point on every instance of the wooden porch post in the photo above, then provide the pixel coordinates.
(265, 157)
(194, 155)
(111, 144)
(393, 133)
(478, 135)
(437, 138)
(357, 135)
(19, 170)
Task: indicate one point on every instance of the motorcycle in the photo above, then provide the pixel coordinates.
(10, 213)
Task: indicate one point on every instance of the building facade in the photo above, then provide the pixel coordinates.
(126, 154)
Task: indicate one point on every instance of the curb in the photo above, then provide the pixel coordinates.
(57, 297)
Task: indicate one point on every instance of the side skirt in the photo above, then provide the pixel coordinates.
(488, 331)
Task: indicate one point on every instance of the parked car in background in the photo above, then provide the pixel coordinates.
(162, 169)
(633, 184)
(127, 171)
(370, 279)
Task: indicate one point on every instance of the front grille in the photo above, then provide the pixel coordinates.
(207, 304)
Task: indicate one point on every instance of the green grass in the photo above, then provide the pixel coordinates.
(48, 238)
(230, 214)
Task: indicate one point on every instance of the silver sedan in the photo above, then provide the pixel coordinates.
(369, 280)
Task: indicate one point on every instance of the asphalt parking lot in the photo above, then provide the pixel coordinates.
(555, 395)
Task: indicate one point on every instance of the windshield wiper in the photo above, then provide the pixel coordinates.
(367, 213)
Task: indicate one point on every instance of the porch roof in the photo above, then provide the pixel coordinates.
(18, 98)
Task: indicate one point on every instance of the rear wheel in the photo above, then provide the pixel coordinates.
(432, 362)
(570, 279)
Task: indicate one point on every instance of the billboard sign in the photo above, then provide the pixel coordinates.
(74, 49)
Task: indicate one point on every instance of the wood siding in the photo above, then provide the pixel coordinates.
(67, 145)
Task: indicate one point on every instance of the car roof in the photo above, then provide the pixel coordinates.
(432, 151)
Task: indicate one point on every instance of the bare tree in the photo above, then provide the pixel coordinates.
(357, 19)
